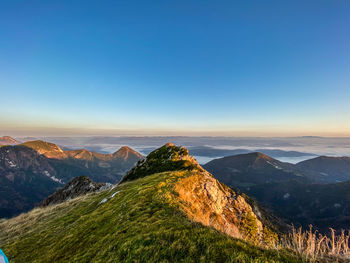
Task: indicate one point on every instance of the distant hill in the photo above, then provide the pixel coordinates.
(176, 212)
(252, 169)
(7, 140)
(31, 171)
(323, 206)
(327, 169)
(215, 152)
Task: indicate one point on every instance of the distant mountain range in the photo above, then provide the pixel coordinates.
(31, 171)
(215, 152)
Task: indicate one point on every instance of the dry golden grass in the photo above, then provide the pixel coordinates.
(317, 247)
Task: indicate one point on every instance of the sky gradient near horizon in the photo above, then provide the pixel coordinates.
(240, 68)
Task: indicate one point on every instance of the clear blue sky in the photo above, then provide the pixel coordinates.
(175, 67)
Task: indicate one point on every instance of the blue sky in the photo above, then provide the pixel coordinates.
(260, 68)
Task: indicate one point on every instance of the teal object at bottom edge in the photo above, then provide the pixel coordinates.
(3, 258)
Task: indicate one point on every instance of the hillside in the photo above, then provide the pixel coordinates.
(179, 215)
(250, 169)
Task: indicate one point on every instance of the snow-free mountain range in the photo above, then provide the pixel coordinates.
(31, 171)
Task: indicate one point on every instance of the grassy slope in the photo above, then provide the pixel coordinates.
(139, 224)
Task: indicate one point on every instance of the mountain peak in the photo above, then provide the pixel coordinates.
(124, 151)
(8, 140)
(125, 148)
(166, 158)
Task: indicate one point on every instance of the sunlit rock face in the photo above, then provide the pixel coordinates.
(211, 203)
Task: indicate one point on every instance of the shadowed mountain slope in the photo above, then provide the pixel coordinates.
(327, 169)
(26, 178)
(322, 205)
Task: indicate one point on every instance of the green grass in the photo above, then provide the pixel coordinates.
(139, 224)
(165, 158)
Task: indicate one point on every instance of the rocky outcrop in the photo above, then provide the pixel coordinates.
(78, 186)
(200, 196)
(211, 203)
